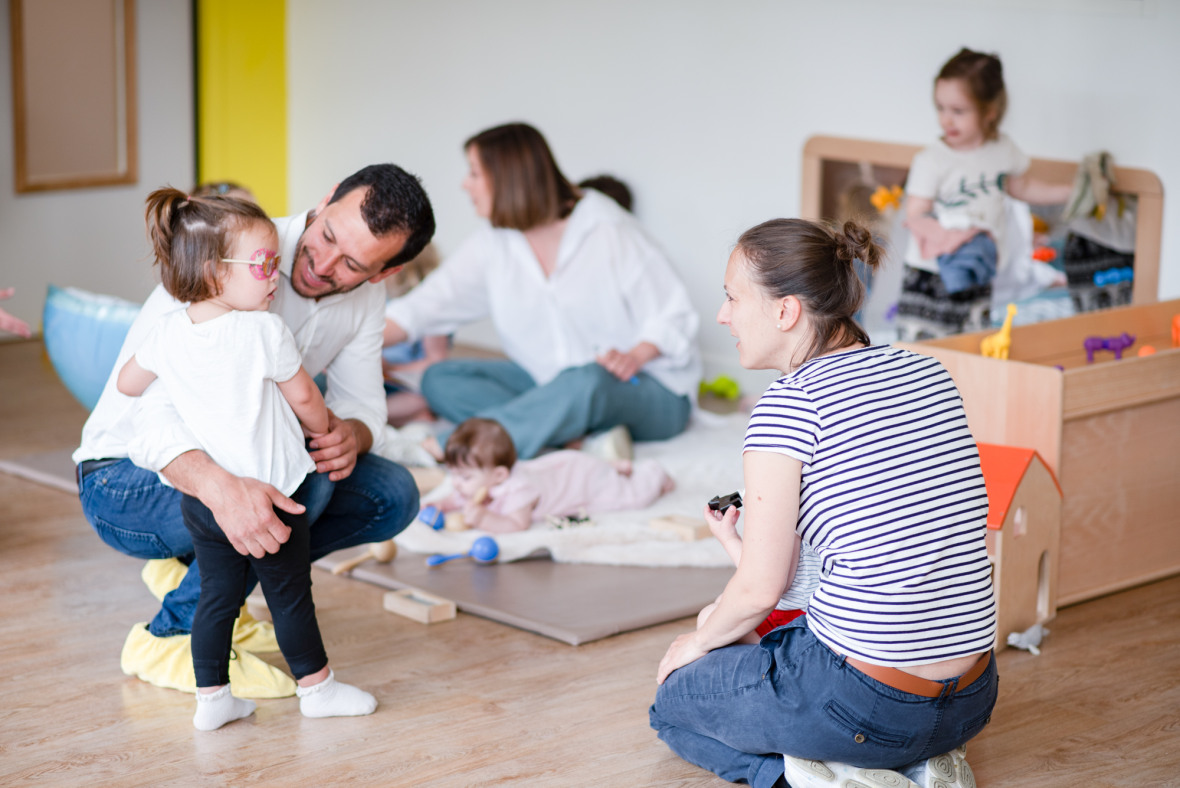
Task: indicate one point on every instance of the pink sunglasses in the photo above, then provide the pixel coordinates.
(263, 263)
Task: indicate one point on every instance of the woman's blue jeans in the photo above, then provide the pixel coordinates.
(579, 401)
(738, 710)
(138, 515)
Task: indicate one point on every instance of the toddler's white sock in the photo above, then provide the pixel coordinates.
(332, 698)
(217, 708)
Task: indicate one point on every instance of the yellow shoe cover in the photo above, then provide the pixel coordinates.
(168, 662)
(250, 634)
(162, 575)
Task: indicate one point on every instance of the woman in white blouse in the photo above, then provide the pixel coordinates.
(598, 329)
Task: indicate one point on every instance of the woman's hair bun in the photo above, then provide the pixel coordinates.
(855, 242)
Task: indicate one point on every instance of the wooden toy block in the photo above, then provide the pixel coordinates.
(419, 605)
(690, 529)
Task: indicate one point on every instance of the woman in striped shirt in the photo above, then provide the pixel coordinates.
(862, 453)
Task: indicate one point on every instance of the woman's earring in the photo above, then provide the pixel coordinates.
(779, 326)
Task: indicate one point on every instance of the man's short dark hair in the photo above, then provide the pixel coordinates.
(396, 202)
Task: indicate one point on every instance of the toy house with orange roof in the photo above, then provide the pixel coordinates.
(1023, 536)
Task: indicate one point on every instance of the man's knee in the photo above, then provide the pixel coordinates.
(391, 490)
(134, 513)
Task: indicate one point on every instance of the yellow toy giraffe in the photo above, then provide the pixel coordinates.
(996, 345)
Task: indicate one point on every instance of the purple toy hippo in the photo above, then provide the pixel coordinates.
(1115, 345)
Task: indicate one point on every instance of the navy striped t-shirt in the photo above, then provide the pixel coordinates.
(892, 501)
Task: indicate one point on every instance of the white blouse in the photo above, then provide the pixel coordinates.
(612, 287)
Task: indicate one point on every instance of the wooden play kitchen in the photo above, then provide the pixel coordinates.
(1108, 429)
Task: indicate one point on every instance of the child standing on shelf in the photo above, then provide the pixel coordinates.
(955, 202)
(235, 377)
(500, 495)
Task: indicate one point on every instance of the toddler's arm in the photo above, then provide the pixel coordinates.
(933, 239)
(134, 379)
(479, 517)
(305, 399)
(393, 334)
(1036, 192)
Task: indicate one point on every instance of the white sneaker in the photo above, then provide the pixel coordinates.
(804, 773)
(614, 444)
(949, 770)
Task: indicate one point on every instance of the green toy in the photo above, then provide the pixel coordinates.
(722, 386)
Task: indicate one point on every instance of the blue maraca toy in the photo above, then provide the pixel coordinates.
(484, 551)
(433, 516)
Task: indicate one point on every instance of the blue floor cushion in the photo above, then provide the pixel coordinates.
(83, 333)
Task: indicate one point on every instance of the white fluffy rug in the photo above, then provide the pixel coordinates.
(705, 461)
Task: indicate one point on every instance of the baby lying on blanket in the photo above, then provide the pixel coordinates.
(498, 494)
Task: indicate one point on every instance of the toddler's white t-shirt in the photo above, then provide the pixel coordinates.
(222, 376)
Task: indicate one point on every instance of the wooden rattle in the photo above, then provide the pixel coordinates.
(455, 521)
(383, 552)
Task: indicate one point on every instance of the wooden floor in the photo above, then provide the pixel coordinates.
(469, 702)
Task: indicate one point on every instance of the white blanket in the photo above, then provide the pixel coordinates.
(705, 460)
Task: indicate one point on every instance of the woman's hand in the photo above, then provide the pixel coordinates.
(12, 324)
(684, 650)
(723, 525)
(625, 366)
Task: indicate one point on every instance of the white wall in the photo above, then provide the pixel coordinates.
(94, 238)
(704, 107)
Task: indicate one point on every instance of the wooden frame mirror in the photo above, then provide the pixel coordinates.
(73, 74)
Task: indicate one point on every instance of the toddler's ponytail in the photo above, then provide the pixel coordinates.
(190, 235)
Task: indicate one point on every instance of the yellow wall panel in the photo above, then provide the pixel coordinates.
(242, 97)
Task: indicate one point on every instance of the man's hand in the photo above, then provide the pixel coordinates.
(243, 507)
(244, 510)
(336, 450)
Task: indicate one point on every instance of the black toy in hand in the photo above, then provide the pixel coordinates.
(720, 503)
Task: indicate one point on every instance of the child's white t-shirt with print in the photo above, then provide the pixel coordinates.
(967, 188)
(222, 376)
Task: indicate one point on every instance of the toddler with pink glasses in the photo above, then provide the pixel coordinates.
(235, 376)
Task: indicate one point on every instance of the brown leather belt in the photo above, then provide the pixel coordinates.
(916, 685)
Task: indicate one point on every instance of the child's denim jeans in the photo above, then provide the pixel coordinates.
(971, 265)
